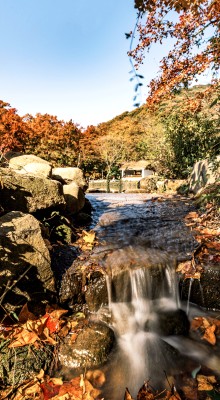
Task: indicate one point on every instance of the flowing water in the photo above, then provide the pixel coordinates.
(141, 241)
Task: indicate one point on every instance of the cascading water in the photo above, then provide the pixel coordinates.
(139, 241)
(140, 353)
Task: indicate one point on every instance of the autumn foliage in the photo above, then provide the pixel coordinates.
(192, 26)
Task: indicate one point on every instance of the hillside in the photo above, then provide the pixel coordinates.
(144, 131)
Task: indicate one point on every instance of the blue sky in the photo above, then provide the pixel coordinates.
(69, 58)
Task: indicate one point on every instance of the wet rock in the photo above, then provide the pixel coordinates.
(72, 290)
(203, 292)
(96, 294)
(91, 348)
(173, 322)
(21, 363)
(151, 262)
(62, 257)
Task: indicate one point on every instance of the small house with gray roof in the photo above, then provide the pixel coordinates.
(135, 170)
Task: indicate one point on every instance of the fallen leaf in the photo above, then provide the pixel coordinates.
(184, 267)
(52, 323)
(193, 275)
(23, 338)
(196, 323)
(127, 395)
(88, 237)
(47, 338)
(190, 389)
(145, 393)
(49, 389)
(73, 337)
(96, 377)
(205, 382)
(72, 388)
(209, 335)
(192, 214)
(55, 311)
(57, 381)
(25, 314)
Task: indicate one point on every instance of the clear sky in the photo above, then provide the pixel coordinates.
(69, 58)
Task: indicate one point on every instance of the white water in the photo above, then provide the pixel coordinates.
(137, 232)
(140, 355)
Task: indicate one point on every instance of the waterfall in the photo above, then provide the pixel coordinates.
(135, 321)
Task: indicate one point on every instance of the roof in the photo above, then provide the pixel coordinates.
(135, 165)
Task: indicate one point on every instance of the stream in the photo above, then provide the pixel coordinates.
(141, 239)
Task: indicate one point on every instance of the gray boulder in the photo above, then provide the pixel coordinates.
(204, 173)
(25, 268)
(29, 193)
(20, 161)
(36, 168)
(74, 197)
(68, 175)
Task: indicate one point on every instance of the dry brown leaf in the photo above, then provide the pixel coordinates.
(192, 215)
(174, 396)
(205, 382)
(64, 331)
(205, 322)
(90, 392)
(24, 338)
(96, 377)
(40, 375)
(127, 395)
(210, 232)
(74, 337)
(72, 388)
(57, 381)
(57, 313)
(88, 237)
(25, 314)
(190, 389)
(196, 323)
(213, 245)
(48, 338)
(33, 389)
(184, 267)
(209, 335)
(193, 275)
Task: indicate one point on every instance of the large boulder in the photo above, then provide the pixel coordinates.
(204, 173)
(18, 161)
(68, 175)
(36, 168)
(74, 197)
(29, 193)
(25, 268)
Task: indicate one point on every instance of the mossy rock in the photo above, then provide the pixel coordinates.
(19, 364)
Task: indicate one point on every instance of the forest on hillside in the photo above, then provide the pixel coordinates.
(171, 137)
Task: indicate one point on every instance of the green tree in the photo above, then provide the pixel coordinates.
(190, 137)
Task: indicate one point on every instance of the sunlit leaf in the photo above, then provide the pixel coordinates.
(205, 382)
